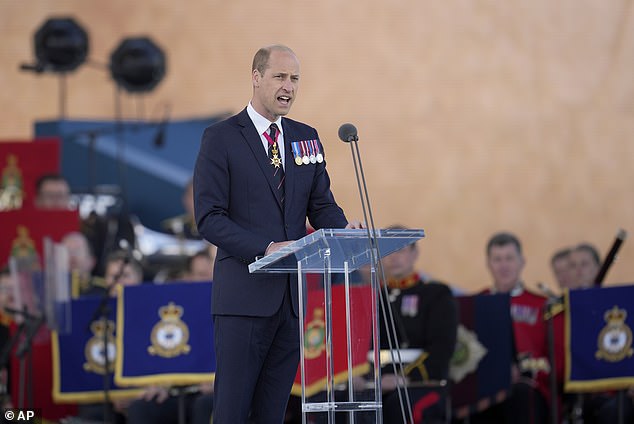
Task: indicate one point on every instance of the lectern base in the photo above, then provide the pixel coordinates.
(341, 406)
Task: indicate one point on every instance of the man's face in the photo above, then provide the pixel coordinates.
(202, 269)
(400, 264)
(275, 89)
(563, 268)
(585, 269)
(129, 277)
(79, 256)
(505, 264)
(53, 194)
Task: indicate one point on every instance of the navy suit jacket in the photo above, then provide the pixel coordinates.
(238, 209)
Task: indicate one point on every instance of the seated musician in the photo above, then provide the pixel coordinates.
(426, 319)
(530, 392)
(600, 407)
(81, 264)
(52, 192)
(184, 225)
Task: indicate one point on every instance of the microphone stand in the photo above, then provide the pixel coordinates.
(552, 378)
(101, 312)
(6, 352)
(25, 333)
(348, 134)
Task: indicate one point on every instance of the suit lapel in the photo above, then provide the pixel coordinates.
(255, 143)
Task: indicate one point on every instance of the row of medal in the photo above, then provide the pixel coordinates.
(306, 151)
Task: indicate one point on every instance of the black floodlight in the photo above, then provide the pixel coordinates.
(137, 65)
(61, 45)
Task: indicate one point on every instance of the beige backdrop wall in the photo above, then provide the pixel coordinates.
(474, 116)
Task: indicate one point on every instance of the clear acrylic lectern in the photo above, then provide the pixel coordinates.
(338, 308)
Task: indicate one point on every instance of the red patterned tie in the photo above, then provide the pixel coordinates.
(276, 159)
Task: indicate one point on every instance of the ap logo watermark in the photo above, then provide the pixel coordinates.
(19, 415)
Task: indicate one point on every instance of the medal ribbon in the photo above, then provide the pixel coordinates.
(295, 147)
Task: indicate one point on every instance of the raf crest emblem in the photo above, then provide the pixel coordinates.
(170, 335)
(615, 339)
(94, 350)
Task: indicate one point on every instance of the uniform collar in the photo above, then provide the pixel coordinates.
(514, 292)
(403, 283)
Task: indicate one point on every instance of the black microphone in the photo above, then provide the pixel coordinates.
(125, 246)
(159, 139)
(37, 67)
(32, 328)
(348, 133)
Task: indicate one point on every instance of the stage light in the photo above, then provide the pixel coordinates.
(137, 64)
(61, 45)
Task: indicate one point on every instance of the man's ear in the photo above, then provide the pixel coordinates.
(255, 78)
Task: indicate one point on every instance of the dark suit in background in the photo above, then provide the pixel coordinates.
(426, 318)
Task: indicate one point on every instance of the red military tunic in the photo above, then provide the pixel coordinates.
(530, 337)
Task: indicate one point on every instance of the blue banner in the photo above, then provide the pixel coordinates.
(165, 335)
(79, 360)
(599, 353)
(481, 365)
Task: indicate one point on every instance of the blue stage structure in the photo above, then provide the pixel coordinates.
(148, 163)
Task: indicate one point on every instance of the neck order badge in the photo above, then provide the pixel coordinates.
(276, 160)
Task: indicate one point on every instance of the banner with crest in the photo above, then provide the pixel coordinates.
(315, 333)
(165, 335)
(480, 368)
(79, 357)
(22, 233)
(21, 164)
(599, 351)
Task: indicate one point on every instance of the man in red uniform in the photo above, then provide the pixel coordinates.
(527, 402)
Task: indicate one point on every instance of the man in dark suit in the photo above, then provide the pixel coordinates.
(257, 177)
